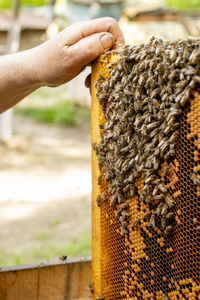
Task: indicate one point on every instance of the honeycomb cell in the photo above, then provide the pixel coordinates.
(145, 264)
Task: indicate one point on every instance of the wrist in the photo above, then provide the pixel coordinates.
(27, 68)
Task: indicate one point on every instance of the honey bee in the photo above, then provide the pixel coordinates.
(159, 209)
(113, 201)
(163, 223)
(170, 215)
(168, 230)
(112, 64)
(125, 214)
(146, 215)
(194, 57)
(173, 55)
(195, 179)
(165, 210)
(166, 170)
(160, 68)
(93, 146)
(162, 188)
(118, 213)
(165, 297)
(100, 297)
(121, 219)
(103, 196)
(152, 222)
(170, 153)
(155, 92)
(63, 257)
(142, 66)
(98, 200)
(150, 81)
(173, 74)
(174, 137)
(162, 142)
(144, 54)
(124, 224)
(141, 100)
(167, 130)
(178, 61)
(124, 206)
(192, 84)
(150, 178)
(159, 197)
(169, 202)
(99, 179)
(152, 125)
(155, 190)
(135, 224)
(158, 51)
(124, 230)
(91, 287)
(197, 79)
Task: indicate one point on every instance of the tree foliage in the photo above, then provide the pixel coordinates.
(8, 3)
(184, 4)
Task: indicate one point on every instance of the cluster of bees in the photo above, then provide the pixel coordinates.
(142, 99)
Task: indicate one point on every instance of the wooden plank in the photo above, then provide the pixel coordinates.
(96, 213)
(73, 290)
(100, 66)
(85, 275)
(53, 281)
(18, 285)
(192, 25)
(79, 276)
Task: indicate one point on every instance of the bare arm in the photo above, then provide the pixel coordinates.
(17, 79)
(56, 61)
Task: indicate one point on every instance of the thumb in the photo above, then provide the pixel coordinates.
(89, 48)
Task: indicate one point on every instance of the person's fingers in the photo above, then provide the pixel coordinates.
(89, 48)
(88, 81)
(78, 31)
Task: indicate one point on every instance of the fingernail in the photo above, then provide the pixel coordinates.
(106, 40)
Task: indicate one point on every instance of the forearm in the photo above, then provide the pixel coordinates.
(17, 78)
(56, 61)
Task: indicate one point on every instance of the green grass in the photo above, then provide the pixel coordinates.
(2, 255)
(63, 112)
(83, 113)
(55, 222)
(43, 236)
(77, 247)
(49, 105)
(183, 4)
(8, 4)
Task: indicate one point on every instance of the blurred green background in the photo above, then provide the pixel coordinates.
(50, 106)
(183, 4)
(178, 4)
(8, 3)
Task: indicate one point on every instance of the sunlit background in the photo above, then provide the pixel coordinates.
(45, 169)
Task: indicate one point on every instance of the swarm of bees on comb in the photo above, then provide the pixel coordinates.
(142, 99)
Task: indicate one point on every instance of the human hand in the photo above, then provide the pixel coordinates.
(61, 58)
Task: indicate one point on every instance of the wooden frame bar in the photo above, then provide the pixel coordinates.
(49, 281)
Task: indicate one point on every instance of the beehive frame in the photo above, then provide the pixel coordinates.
(119, 276)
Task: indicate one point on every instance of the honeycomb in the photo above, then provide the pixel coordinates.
(146, 264)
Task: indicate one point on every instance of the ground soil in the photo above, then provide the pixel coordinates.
(45, 180)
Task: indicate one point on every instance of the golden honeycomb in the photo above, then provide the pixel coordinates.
(146, 264)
